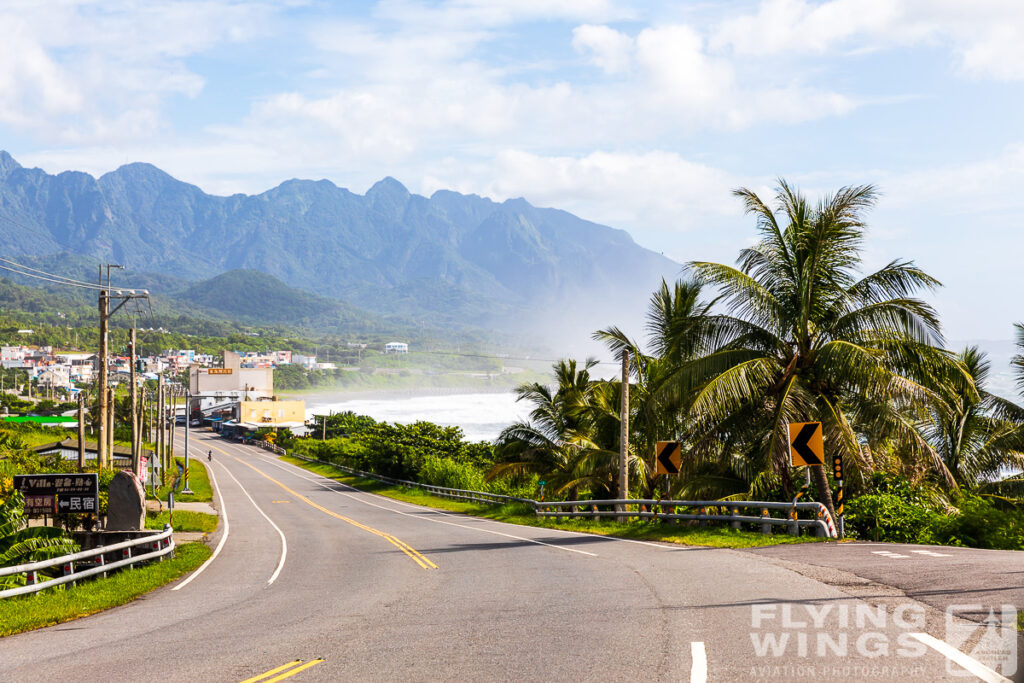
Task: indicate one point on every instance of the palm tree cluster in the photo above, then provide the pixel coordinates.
(794, 332)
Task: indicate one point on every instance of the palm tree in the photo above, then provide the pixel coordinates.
(557, 442)
(976, 433)
(679, 326)
(809, 332)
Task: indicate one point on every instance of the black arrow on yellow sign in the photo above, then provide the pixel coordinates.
(670, 457)
(805, 444)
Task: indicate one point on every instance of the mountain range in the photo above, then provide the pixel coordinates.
(451, 259)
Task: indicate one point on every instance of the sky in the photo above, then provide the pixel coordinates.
(642, 116)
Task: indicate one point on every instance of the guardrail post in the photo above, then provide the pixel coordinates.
(702, 511)
(735, 512)
(101, 561)
(125, 554)
(766, 527)
(69, 568)
(31, 578)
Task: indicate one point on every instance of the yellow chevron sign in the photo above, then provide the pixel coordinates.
(805, 444)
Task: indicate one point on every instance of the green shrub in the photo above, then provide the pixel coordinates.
(980, 524)
(454, 475)
(888, 517)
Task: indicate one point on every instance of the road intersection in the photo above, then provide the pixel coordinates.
(318, 581)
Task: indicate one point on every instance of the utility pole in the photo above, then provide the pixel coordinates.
(105, 436)
(133, 397)
(160, 434)
(101, 434)
(188, 425)
(111, 409)
(624, 435)
(81, 431)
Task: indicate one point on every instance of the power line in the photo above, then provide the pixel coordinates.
(61, 277)
(69, 283)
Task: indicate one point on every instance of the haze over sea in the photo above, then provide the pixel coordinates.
(481, 416)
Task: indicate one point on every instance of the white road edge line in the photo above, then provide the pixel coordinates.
(284, 543)
(699, 664)
(295, 472)
(220, 544)
(949, 652)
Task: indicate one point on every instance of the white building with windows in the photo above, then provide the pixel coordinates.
(396, 347)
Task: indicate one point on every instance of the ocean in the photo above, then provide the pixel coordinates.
(480, 416)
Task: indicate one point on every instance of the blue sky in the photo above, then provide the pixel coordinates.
(638, 115)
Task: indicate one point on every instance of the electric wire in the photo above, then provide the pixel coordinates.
(50, 279)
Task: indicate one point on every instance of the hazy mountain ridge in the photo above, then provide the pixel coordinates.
(464, 258)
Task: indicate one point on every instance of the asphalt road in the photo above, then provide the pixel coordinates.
(332, 584)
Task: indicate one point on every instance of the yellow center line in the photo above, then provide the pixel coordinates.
(272, 671)
(312, 662)
(416, 556)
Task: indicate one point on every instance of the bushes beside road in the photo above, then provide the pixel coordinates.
(897, 512)
(423, 452)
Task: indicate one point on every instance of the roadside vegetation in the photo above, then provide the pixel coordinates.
(795, 332)
(684, 534)
(198, 481)
(65, 603)
(184, 520)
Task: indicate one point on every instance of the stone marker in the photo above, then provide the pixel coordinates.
(126, 506)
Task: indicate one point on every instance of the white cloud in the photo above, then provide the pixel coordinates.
(985, 36)
(653, 191)
(608, 49)
(86, 71)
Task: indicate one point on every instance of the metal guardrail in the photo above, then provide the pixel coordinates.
(821, 523)
(666, 510)
(444, 492)
(159, 545)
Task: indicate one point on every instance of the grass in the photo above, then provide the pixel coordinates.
(1020, 620)
(184, 520)
(198, 481)
(714, 536)
(62, 604)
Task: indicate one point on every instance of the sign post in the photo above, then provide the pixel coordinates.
(59, 493)
(837, 471)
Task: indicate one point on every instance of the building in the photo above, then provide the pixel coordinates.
(396, 347)
(232, 381)
(273, 414)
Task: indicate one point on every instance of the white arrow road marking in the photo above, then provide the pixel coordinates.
(949, 652)
(699, 665)
(891, 555)
(220, 545)
(284, 543)
(929, 553)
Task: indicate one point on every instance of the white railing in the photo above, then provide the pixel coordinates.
(273, 448)
(156, 546)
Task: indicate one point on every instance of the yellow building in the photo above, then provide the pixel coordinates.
(273, 414)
